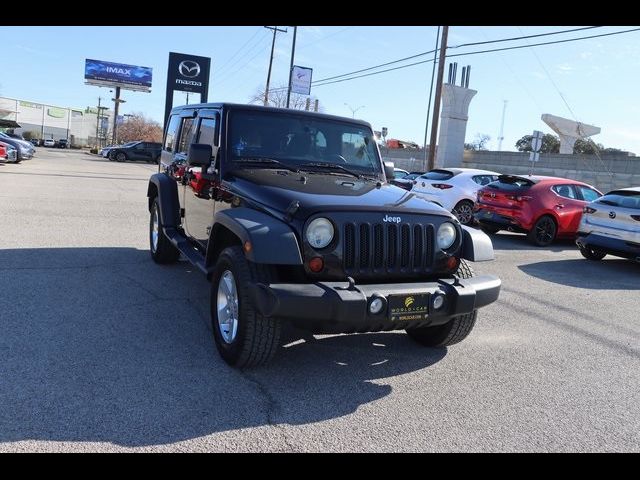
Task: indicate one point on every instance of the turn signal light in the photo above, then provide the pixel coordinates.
(316, 264)
(441, 186)
(588, 210)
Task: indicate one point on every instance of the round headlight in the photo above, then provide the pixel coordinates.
(320, 233)
(446, 235)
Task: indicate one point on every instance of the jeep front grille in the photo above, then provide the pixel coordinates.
(377, 248)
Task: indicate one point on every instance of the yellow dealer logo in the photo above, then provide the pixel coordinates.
(408, 301)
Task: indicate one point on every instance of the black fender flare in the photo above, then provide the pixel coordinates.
(272, 241)
(167, 193)
(476, 245)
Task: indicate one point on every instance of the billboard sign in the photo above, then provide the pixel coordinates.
(186, 73)
(109, 74)
(301, 80)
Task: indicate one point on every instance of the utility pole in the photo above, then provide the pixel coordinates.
(293, 52)
(354, 110)
(117, 102)
(98, 123)
(436, 103)
(433, 74)
(187, 98)
(501, 136)
(273, 44)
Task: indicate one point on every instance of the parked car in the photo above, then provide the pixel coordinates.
(611, 225)
(49, 142)
(407, 181)
(148, 151)
(545, 208)
(455, 189)
(399, 173)
(290, 216)
(35, 142)
(62, 143)
(8, 153)
(24, 149)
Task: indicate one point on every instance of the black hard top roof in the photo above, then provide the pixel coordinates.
(242, 106)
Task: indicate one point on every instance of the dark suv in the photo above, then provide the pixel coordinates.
(290, 216)
(148, 151)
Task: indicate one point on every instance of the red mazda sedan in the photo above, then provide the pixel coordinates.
(545, 208)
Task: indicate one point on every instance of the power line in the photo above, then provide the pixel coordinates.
(229, 74)
(323, 38)
(324, 82)
(221, 67)
(457, 46)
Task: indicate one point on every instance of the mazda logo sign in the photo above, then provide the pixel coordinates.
(612, 214)
(189, 68)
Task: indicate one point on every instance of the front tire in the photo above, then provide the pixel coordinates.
(543, 232)
(121, 157)
(162, 250)
(243, 337)
(592, 254)
(452, 332)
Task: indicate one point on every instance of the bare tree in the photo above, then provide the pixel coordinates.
(278, 98)
(139, 127)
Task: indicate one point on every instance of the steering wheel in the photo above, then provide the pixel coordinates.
(339, 157)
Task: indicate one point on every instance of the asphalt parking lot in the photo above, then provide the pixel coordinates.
(103, 350)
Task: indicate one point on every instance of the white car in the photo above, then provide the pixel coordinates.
(49, 142)
(455, 189)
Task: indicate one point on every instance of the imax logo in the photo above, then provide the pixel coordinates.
(189, 68)
(387, 218)
(120, 71)
(188, 82)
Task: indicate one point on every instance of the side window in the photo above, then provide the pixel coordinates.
(483, 179)
(207, 132)
(565, 191)
(172, 133)
(185, 135)
(588, 194)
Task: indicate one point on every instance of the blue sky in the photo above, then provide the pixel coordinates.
(597, 77)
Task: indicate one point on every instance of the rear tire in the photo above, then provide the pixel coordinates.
(162, 250)
(464, 212)
(543, 232)
(121, 157)
(452, 332)
(244, 338)
(592, 254)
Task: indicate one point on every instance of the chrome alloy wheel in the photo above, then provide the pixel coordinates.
(227, 307)
(155, 229)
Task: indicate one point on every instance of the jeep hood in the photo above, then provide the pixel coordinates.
(321, 191)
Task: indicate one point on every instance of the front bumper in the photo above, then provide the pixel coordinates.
(614, 246)
(337, 307)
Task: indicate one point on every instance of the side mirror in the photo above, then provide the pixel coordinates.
(388, 170)
(199, 155)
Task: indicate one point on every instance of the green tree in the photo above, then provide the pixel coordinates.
(587, 146)
(550, 144)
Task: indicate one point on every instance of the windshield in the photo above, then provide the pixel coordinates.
(302, 142)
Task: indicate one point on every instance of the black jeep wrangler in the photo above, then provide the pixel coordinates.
(290, 216)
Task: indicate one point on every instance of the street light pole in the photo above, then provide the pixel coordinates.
(354, 110)
(98, 123)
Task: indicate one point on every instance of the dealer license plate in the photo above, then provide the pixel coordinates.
(408, 307)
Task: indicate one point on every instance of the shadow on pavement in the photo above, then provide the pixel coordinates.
(516, 241)
(609, 274)
(101, 344)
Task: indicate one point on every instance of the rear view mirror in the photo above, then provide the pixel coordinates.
(199, 155)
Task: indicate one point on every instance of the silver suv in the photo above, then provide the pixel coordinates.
(611, 225)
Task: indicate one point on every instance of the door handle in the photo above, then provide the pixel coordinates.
(559, 205)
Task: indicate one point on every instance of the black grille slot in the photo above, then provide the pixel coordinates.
(378, 246)
(392, 245)
(405, 242)
(364, 245)
(370, 249)
(349, 245)
(418, 245)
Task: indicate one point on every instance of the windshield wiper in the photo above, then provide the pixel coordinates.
(332, 165)
(267, 160)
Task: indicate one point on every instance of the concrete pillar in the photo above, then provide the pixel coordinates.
(453, 125)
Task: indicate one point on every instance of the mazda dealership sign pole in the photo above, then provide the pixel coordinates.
(186, 73)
